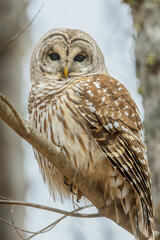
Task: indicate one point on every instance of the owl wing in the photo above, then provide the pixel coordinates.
(113, 121)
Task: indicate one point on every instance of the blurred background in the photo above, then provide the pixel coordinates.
(110, 23)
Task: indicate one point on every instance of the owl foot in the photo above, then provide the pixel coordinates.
(78, 193)
(65, 182)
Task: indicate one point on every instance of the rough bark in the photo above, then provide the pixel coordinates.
(146, 14)
(11, 164)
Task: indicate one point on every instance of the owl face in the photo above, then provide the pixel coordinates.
(64, 53)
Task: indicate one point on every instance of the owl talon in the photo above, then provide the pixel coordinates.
(70, 185)
(79, 196)
(66, 183)
(71, 189)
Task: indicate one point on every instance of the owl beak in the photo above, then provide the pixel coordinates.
(66, 71)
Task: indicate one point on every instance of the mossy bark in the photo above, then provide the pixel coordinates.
(146, 15)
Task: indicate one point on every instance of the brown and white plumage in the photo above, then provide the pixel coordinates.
(79, 107)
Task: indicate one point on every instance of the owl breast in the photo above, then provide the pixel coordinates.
(56, 116)
(89, 118)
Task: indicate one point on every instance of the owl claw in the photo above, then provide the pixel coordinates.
(71, 189)
(66, 183)
(78, 194)
(70, 185)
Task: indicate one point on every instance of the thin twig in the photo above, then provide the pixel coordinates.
(12, 225)
(47, 228)
(12, 220)
(52, 225)
(43, 230)
(1, 197)
(21, 31)
(43, 207)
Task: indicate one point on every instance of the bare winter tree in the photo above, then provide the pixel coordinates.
(11, 171)
(147, 52)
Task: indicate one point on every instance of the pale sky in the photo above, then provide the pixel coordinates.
(110, 23)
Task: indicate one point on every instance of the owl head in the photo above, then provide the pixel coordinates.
(66, 53)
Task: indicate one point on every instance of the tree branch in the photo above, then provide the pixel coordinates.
(55, 156)
(147, 52)
(46, 228)
(21, 31)
(53, 224)
(51, 209)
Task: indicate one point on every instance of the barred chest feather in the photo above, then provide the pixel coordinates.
(92, 119)
(56, 116)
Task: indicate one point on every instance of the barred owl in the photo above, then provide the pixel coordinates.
(76, 104)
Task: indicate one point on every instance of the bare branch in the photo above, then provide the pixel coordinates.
(21, 31)
(12, 225)
(48, 227)
(52, 225)
(55, 156)
(43, 207)
(15, 227)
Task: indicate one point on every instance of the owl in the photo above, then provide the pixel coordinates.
(79, 107)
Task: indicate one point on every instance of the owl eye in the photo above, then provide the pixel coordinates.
(79, 58)
(54, 56)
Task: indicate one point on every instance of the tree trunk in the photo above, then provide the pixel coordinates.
(11, 165)
(146, 14)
